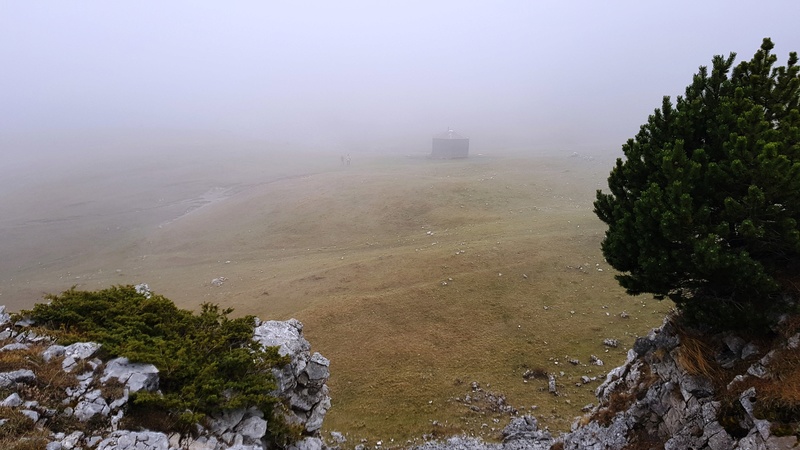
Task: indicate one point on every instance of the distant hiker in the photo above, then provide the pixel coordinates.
(348, 159)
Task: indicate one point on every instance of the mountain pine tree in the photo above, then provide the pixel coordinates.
(704, 208)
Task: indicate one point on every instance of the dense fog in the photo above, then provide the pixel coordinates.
(357, 75)
(117, 118)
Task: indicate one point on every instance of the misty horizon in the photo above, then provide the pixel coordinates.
(361, 75)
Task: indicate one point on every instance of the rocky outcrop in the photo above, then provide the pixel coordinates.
(98, 394)
(663, 396)
(522, 433)
(659, 396)
(302, 381)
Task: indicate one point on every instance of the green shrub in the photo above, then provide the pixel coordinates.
(208, 362)
(704, 208)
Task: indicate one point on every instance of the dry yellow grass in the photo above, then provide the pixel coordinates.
(696, 356)
(509, 278)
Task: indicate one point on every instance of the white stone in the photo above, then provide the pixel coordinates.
(130, 440)
(793, 342)
(91, 405)
(338, 437)
(33, 415)
(71, 441)
(226, 421)
(15, 346)
(18, 376)
(287, 335)
(757, 370)
(12, 401)
(144, 290)
(317, 368)
(253, 428)
(309, 443)
(314, 422)
(763, 427)
(135, 376)
(76, 352)
(5, 318)
(746, 399)
(54, 351)
(734, 343)
(749, 350)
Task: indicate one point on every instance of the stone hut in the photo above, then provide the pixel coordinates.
(449, 145)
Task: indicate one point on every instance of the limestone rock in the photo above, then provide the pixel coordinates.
(317, 368)
(286, 335)
(608, 342)
(338, 437)
(15, 346)
(143, 289)
(71, 441)
(665, 403)
(525, 428)
(594, 360)
(314, 422)
(135, 376)
(5, 318)
(310, 443)
(551, 384)
(90, 405)
(793, 342)
(734, 343)
(8, 379)
(12, 401)
(252, 429)
(54, 351)
(78, 352)
(303, 380)
(132, 440)
(749, 350)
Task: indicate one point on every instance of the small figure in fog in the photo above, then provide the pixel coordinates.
(348, 159)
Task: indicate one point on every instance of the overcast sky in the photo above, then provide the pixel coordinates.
(568, 74)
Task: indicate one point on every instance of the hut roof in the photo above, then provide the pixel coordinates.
(449, 134)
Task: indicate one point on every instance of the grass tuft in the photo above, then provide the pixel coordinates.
(696, 356)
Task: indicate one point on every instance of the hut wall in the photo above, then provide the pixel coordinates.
(450, 148)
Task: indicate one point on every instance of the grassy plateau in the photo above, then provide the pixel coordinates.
(415, 277)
